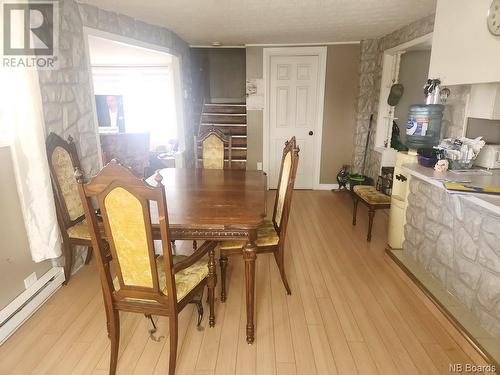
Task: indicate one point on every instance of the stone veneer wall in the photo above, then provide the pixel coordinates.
(66, 92)
(458, 242)
(369, 89)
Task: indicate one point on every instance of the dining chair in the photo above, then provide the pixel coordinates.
(143, 282)
(271, 235)
(63, 159)
(212, 144)
(132, 149)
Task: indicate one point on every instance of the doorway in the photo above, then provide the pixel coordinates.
(407, 64)
(294, 78)
(137, 95)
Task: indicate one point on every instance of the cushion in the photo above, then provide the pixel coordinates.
(371, 195)
(266, 236)
(80, 231)
(285, 175)
(128, 231)
(213, 153)
(185, 280)
(63, 168)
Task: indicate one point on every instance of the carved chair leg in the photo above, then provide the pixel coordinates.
(173, 328)
(114, 333)
(354, 210)
(195, 245)
(223, 266)
(199, 307)
(89, 255)
(153, 329)
(174, 248)
(68, 260)
(211, 282)
(371, 215)
(280, 261)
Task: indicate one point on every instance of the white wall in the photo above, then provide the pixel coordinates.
(15, 257)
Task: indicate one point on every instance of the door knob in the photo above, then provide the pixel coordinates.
(311, 132)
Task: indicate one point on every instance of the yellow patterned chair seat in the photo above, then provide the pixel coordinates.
(266, 236)
(80, 231)
(371, 195)
(185, 280)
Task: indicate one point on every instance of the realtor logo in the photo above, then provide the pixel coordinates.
(29, 34)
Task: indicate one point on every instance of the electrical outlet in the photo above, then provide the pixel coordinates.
(30, 280)
(259, 165)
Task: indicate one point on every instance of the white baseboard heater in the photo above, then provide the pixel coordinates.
(18, 311)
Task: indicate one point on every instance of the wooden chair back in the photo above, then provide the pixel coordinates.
(286, 182)
(63, 159)
(131, 149)
(125, 202)
(212, 144)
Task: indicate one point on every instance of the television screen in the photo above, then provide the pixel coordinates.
(110, 116)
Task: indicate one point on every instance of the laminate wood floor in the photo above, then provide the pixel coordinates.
(352, 311)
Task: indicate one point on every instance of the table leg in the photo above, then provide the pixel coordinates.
(249, 256)
(212, 281)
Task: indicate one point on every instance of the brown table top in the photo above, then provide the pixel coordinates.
(210, 198)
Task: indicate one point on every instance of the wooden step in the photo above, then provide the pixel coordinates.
(224, 108)
(240, 141)
(233, 129)
(217, 118)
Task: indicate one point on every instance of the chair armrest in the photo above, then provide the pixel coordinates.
(197, 255)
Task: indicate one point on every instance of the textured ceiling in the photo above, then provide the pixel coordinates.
(235, 22)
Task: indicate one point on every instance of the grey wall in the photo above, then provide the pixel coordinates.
(341, 91)
(413, 73)
(15, 256)
(369, 88)
(227, 75)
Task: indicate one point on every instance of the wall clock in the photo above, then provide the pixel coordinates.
(493, 19)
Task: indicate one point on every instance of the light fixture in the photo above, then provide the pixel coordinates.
(216, 44)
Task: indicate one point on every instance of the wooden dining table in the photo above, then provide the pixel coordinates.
(219, 205)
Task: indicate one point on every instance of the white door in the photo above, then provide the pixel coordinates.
(293, 89)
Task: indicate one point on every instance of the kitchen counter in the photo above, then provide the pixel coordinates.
(487, 201)
(454, 239)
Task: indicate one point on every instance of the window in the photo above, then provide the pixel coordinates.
(139, 99)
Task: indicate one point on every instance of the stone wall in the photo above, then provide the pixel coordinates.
(126, 26)
(369, 89)
(66, 92)
(458, 242)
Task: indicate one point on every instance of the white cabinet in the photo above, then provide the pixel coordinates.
(399, 200)
(485, 101)
(463, 50)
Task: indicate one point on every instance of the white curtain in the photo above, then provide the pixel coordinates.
(22, 128)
